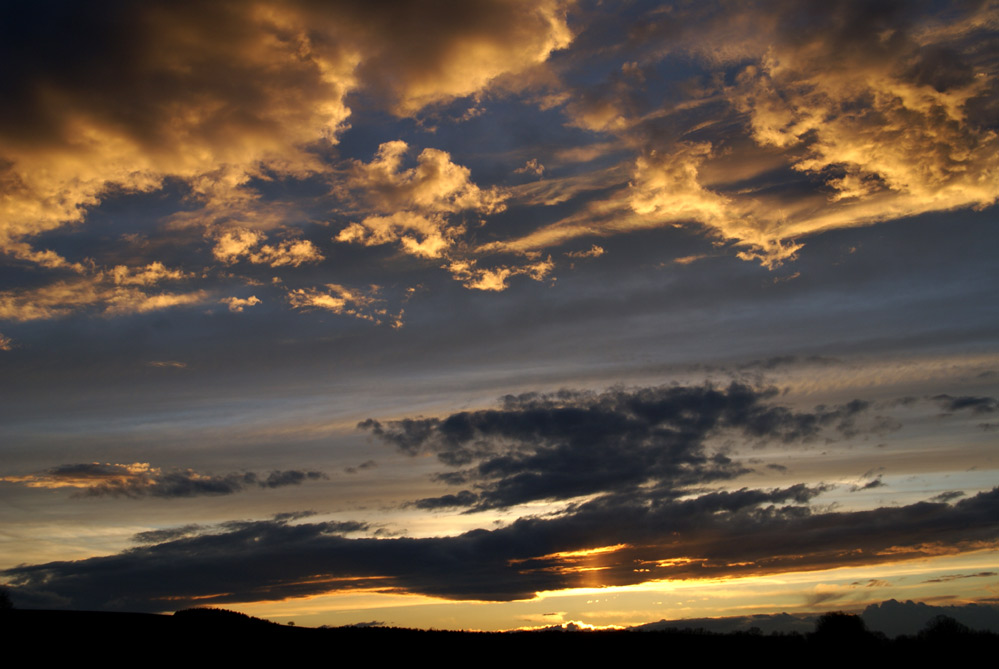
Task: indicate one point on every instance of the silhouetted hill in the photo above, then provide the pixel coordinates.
(227, 635)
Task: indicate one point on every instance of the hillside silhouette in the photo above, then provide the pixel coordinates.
(223, 634)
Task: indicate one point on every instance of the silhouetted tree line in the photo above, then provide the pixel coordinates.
(232, 635)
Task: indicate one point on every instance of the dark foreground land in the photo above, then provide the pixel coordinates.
(225, 635)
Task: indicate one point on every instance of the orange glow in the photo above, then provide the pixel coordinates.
(569, 555)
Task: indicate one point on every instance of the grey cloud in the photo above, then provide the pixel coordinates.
(893, 617)
(947, 496)
(876, 482)
(277, 479)
(141, 480)
(571, 443)
(367, 464)
(463, 498)
(978, 405)
(956, 577)
(713, 535)
(169, 534)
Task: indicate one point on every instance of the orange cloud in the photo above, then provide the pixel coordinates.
(163, 92)
(495, 279)
(237, 304)
(416, 202)
(238, 243)
(342, 300)
(887, 113)
(62, 298)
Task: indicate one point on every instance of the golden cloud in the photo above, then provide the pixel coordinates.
(495, 279)
(62, 298)
(890, 114)
(342, 300)
(237, 304)
(216, 95)
(236, 244)
(417, 201)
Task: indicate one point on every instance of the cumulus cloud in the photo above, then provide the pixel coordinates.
(883, 112)
(238, 244)
(495, 278)
(149, 275)
(237, 304)
(140, 479)
(415, 202)
(433, 53)
(572, 443)
(532, 166)
(110, 99)
(338, 299)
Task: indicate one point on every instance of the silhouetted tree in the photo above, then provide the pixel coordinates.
(5, 603)
(943, 628)
(839, 627)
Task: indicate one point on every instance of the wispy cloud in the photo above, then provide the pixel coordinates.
(140, 479)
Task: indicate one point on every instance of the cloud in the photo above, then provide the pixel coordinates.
(893, 617)
(342, 300)
(569, 444)
(149, 275)
(112, 99)
(6, 343)
(140, 479)
(367, 464)
(977, 405)
(875, 482)
(101, 291)
(430, 54)
(532, 166)
(593, 252)
(255, 93)
(176, 364)
(947, 496)
(237, 304)
(415, 203)
(600, 543)
(800, 119)
(237, 244)
(495, 278)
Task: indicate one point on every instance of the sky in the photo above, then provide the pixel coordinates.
(499, 314)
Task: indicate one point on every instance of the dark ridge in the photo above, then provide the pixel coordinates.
(228, 635)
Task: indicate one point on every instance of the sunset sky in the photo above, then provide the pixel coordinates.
(498, 314)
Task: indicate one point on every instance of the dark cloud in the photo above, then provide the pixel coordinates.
(463, 498)
(367, 464)
(876, 482)
(139, 479)
(893, 617)
(169, 534)
(956, 577)
(779, 361)
(713, 535)
(571, 443)
(277, 479)
(947, 496)
(978, 405)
